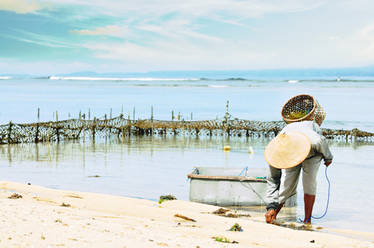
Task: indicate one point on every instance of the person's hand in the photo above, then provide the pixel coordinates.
(327, 163)
(270, 216)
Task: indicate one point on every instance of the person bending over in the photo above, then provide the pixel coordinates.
(300, 146)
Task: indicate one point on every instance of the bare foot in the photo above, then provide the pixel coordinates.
(270, 216)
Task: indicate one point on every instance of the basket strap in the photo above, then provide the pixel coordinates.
(316, 111)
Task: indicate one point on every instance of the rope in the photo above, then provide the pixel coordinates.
(254, 191)
(250, 186)
(327, 203)
(316, 111)
(244, 169)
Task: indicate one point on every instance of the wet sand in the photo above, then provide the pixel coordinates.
(55, 218)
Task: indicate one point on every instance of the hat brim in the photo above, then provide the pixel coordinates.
(287, 150)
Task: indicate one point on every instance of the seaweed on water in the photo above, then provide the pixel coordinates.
(74, 129)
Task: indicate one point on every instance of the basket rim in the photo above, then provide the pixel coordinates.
(304, 117)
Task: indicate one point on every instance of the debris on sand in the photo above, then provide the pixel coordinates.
(15, 196)
(166, 198)
(184, 217)
(223, 239)
(67, 205)
(74, 196)
(227, 213)
(295, 226)
(236, 228)
(221, 211)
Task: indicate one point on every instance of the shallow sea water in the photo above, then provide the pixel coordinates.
(347, 104)
(147, 167)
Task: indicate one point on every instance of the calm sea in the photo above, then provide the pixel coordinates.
(148, 167)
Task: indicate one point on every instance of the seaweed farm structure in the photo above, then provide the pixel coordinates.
(75, 129)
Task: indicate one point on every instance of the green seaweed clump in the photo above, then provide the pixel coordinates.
(223, 239)
(236, 228)
(297, 115)
(166, 198)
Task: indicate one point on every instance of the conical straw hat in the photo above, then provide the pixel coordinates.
(287, 150)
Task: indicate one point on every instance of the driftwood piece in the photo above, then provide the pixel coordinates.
(184, 217)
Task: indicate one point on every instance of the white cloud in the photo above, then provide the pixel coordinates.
(38, 39)
(110, 30)
(179, 32)
(20, 6)
(175, 34)
(178, 29)
(235, 8)
(353, 48)
(365, 38)
(367, 31)
(13, 66)
(183, 55)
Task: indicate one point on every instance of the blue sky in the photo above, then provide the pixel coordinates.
(54, 36)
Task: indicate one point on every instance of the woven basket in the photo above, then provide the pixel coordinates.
(303, 108)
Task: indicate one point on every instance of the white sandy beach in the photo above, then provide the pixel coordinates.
(38, 219)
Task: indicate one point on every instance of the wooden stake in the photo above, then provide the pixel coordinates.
(152, 113)
(10, 132)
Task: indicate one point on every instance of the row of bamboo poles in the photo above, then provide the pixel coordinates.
(82, 128)
(74, 129)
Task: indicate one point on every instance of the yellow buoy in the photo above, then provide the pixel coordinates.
(226, 148)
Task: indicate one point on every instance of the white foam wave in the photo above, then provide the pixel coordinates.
(217, 86)
(293, 81)
(120, 79)
(5, 77)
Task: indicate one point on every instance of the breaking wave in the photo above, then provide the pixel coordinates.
(5, 77)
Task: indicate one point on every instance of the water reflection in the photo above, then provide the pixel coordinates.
(148, 167)
(75, 150)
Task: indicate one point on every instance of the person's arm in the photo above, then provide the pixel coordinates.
(325, 151)
(272, 189)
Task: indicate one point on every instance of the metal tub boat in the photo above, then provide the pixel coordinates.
(224, 186)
